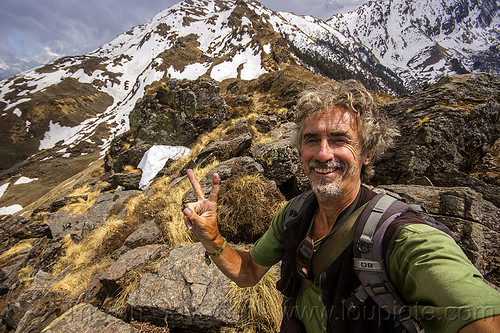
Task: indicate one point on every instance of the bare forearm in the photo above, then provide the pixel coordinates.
(237, 265)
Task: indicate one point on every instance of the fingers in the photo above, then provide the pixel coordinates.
(187, 213)
(195, 184)
(200, 195)
(215, 188)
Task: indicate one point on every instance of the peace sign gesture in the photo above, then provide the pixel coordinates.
(201, 216)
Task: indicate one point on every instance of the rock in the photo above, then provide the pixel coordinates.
(449, 134)
(233, 143)
(61, 223)
(473, 220)
(33, 256)
(14, 228)
(22, 228)
(27, 301)
(129, 181)
(185, 292)
(130, 261)
(10, 266)
(87, 318)
(125, 151)
(147, 234)
(282, 164)
(176, 113)
(59, 203)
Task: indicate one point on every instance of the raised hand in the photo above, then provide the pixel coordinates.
(201, 216)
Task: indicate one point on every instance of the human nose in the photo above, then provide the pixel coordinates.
(325, 152)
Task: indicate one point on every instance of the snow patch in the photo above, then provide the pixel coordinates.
(3, 188)
(10, 209)
(267, 48)
(252, 67)
(191, 72)
(57, 133)
(17, 112)
(154, 160)
(24, 180)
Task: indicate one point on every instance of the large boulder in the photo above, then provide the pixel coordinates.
(233, 143)
(37, 306)
(177, 112)
(281, 163)
(134, 259)
(184, 292)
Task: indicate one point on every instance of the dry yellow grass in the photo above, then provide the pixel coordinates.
(21, 245)
(77, 280)
(84, 257)
(170, 218)
(247, 193)
(81, 206)
(260, 306)
(130, 169)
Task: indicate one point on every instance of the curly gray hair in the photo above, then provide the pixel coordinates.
(377, 132)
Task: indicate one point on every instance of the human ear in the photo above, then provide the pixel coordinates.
(367, 158)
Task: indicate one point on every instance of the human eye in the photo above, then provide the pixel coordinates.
(310, 139)
(339, 140)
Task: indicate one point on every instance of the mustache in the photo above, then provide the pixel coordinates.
(335, 164)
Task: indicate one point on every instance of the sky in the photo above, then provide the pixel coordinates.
(43, 30)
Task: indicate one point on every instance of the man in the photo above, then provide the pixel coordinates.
(339, 133)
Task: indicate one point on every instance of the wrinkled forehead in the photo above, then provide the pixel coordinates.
(333, 117)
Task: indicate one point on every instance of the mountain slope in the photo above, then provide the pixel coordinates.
(424, 40)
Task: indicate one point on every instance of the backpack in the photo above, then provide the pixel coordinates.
(369, 260)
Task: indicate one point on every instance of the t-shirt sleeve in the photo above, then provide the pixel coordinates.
(268, 250)
(440, 285)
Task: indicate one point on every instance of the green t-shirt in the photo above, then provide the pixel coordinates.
(440, 285)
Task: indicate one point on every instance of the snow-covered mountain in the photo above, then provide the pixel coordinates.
(424, 40)
(392, 46)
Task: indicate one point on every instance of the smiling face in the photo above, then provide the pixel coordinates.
(331, 152)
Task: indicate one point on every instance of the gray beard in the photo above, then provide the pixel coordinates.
(327, 188)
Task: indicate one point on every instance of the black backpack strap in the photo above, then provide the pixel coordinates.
(296, 207)
(369, 263)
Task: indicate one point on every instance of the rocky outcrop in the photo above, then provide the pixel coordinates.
(176, 113)
(233, 143)
(134, 259)
(173, 114)
(449, 136)
(37, 306)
